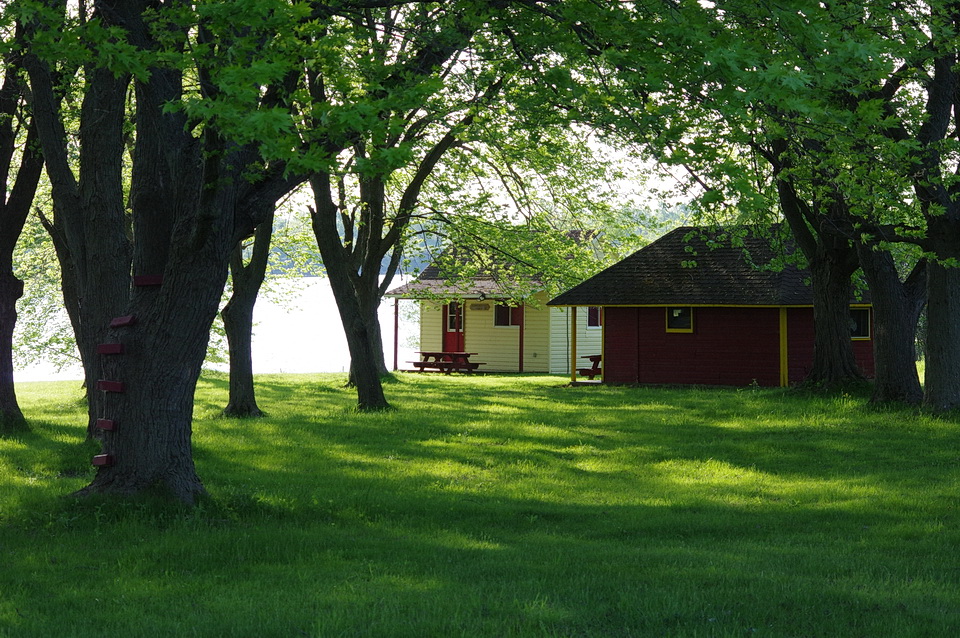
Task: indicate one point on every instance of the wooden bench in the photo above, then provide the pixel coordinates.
(446, 366)
(439, 366)
(594, 370)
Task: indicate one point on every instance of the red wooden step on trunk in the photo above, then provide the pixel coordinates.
(119, 322)
(102, 460)
(110, 348)
(106, 424)
(110, 386)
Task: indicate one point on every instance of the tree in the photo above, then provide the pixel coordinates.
(845, 129)
(759, 104)
(21, 165)
(442, 86)
(196, 181)
(246, 276)
(407, 54)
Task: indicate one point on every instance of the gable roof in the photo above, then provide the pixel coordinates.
(662, 274)
(432, 284)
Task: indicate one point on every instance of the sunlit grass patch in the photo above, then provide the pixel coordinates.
(497, 506)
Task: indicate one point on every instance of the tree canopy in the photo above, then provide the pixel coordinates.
(169, 130)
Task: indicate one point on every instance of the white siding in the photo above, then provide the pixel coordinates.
(589, 340)
(546, 332)
(498, 347)
(431, 326)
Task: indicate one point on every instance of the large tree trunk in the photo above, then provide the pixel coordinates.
(832, 260)
(184, 197)
(238, 320)
(91, 216)
(11, 289)
(942, 378)
(834, 364)
(897, 306)
(151, 415)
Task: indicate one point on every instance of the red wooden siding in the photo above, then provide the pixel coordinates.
(728, 346)
(799, 343)
(863, 351)
(621, 346)
(800, 335)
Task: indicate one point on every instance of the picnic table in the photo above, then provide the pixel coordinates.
(445, 361)
(594, 370)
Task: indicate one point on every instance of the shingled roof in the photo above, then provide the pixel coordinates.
(663, 273)
(432, 284)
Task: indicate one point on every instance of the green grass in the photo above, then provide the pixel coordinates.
(497, 506)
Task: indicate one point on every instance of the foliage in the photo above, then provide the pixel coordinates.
(534, 217)
(43, 331)
(498, 506)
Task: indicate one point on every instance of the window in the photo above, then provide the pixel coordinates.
(679, 319)
(859, 323)
(505, 315)
(594, 317)
(454, 317)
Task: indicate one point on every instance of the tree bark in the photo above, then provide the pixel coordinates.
(365, 373)
(361, 327)
(238, 320)
(356, 291)
(832, 261)
(163, 351)
(834, 364)
(896, 306)
(942, 378)
(11, 289)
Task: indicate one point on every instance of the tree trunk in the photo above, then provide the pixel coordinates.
(373, 336)
(238, 318)
(149, 445)
(187, 184)
(11, 417)
(896, 307)
(362, 330)
(356, 291)
(942, 378)
(16, 198)
(832, 261)
(834, 364)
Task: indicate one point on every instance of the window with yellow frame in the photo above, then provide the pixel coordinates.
(680, 319)
(860, 323)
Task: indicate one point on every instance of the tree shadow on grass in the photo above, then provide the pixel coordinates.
(620, 512)
(358, 552)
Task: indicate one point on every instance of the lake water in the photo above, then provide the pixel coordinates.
(303, 333)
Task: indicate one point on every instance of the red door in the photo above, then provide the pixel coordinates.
(453, 327)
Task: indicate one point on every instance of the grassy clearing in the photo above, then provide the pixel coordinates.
(497, 506)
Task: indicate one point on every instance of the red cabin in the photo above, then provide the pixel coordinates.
(690, 309)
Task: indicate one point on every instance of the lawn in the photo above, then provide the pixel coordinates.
(497, 506)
